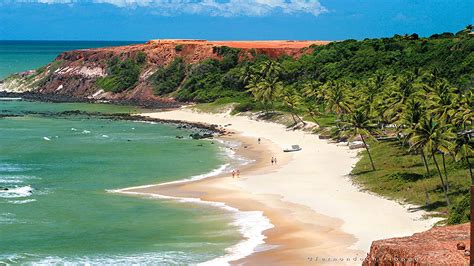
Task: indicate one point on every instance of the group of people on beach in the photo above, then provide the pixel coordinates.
(274, 160)
(236, 172)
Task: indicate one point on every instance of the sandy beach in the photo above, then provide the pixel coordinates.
(316, 212)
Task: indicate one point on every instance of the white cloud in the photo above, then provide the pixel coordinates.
(227, 8)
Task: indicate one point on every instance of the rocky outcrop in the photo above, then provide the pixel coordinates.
(73, 74)
(445, 245)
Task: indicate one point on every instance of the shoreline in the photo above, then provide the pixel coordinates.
(318, 227)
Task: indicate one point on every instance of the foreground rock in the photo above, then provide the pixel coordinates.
(446, 245)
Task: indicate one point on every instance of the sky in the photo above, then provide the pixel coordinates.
(140, 20)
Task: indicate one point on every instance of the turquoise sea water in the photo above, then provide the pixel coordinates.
(59, 169)
(18, 56)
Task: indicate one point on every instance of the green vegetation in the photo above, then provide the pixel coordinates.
(178, 47)
(168, 79)
(409, 99)
(122, 74)
(401, 175)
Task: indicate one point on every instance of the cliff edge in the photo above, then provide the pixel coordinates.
(125, 73)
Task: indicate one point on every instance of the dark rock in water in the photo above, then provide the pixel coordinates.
(201, 136)
(4, 188)
(179, 137)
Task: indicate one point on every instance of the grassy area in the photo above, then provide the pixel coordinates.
(402, 176)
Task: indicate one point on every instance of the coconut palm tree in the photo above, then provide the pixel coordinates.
(398, 96)
(359, 123)
(269, 69)
(265, 90)
(292, 100)
(413, 113)
(314, 97)
(443, 100)
(338, 98)
(432, 136)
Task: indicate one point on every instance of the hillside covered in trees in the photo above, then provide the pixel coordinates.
(409, 100)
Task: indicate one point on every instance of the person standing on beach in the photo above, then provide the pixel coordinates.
(272, 160)
(258, 140)
(233, 173)
(275, 160)
(238, 173)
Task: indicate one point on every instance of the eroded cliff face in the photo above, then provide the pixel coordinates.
(444, 245)
(74, 73)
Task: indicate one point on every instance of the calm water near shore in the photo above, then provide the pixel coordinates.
(58, 171)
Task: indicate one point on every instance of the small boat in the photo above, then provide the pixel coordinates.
(293, 148)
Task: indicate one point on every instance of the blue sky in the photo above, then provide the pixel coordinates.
(139, 20)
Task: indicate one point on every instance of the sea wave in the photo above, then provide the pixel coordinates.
(158, 258)
(251, 224)
(16, 192)
(21, 201)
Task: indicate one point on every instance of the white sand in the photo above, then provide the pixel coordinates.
(317, 177)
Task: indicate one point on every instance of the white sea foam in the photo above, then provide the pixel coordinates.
(21, 201)
(16, 192)
(155, 258)
(251, 225)
(46, 138)
(85, 131)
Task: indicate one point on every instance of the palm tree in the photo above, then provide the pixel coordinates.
(443, 100)
(338, 100)
(292, 100)
(432, 136)
(269, 69)
(314, 98)
(265, 90)
(464, 114)
(397, 98)
(412, 116)
(359, 123)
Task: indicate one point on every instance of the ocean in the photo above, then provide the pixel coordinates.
(60, 170)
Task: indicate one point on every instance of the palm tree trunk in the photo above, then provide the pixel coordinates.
(368, 151)
(301, 120)
(445, 172)
(441, 177)
(425, 162)
(470, 170)
(294, 119)
(428, 174)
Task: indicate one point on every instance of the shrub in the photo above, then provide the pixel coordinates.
(178, 47)
(122, 75)
(460, 212)
(167, 79)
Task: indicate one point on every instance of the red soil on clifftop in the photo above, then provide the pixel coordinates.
(247, 44)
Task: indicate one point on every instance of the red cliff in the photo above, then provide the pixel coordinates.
(445, 245)
(74, 73)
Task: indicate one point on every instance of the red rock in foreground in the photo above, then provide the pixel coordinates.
(437, 246)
